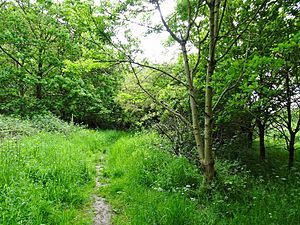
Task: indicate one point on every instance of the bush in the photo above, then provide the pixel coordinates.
(50, 123)
(16, 127)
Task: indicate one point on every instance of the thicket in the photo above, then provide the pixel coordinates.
(46, 64)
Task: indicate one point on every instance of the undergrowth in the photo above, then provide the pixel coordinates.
(14, 127)
(48, 177)
(150, 186)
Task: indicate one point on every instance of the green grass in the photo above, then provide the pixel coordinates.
(48, 177)
(150, 186)
(43, 178)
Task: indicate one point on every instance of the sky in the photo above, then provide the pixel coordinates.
(152, 44)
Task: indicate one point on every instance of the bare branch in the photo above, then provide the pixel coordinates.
(242, 32)
(195, 69)
(161, 103)
(164, 133)
(190, 22)
(234, 85)
(228, 88)
(14, 59)
(173, 35)
(144, 65)
(221, 20)
(279, 126)
(283, 120)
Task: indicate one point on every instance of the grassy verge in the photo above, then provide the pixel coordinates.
(47, 175)
(47, 171)
(150, 186)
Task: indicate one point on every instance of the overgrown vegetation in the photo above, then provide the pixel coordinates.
(150, 186)
(220, 121)
(48, 174)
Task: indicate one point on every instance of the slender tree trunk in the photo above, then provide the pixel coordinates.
(250, 137)
(249, 129)
(21, 90)
(292, 150)
(262, 148)
(38, 87)
(22, 94)
(208, 140)
(209, 167)
(193, 105)
(38, 90)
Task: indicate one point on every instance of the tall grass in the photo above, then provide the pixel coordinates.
(42, 179)
(47, 177)
(150, 186)
(16, 127)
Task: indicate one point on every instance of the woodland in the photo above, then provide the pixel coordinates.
(207, 137)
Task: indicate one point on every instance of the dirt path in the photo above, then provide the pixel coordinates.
(102, 210)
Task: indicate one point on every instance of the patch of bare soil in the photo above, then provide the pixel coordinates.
(102, 210)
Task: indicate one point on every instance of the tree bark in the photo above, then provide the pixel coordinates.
(193, 105)
(291, 143)
(292, 150)
(262, 148)
(250, 137)
(209, 168)
(38, 86)
(38, 90)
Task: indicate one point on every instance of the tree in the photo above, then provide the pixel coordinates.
(187, 26)
(288, 120)
(36, 41)
(45, 52)
(268, 30)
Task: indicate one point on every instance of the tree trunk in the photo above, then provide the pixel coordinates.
(292, 150)
(22, 95)
(209, 168)
(250, 137)
(39, 90)
(193, 105)
(262, 148)
(208, 140)
(38, 87)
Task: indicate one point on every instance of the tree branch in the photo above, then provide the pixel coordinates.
(195, 69)
(228, 88)
(173, 35)
(14, 59)
(242, 32)
(144, 65)
(2, 3)
(161, 103)
(221, 20)
(27, 19)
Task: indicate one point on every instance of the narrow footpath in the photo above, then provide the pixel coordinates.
(102, 210)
